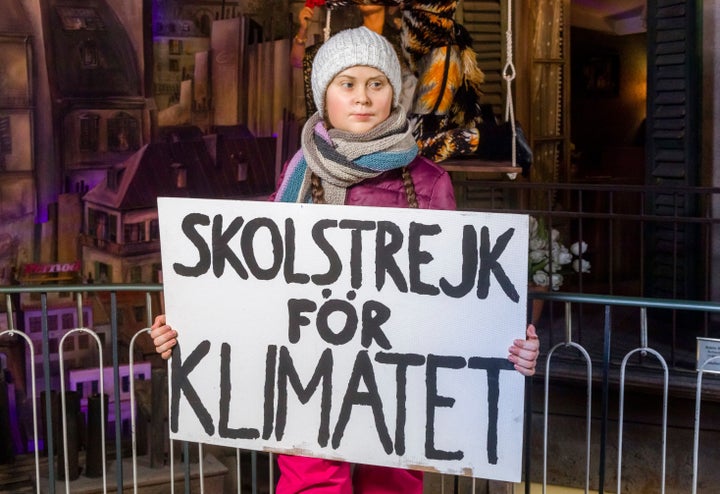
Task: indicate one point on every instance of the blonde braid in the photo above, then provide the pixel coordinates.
(317, 190)
(409, 188)
(318, 193)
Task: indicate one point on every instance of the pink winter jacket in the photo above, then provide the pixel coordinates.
(432, 188)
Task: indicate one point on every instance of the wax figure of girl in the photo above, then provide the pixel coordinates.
(358, 149)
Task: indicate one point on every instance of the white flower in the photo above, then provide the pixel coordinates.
(581, 266)
(537, 256)
(548, 258)
(561, 254)
(578, 248)
(541, 278)
(554, 235)
(537, 243)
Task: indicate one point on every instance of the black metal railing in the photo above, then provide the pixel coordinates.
(651, 287)
(643, 241)
(610, 371)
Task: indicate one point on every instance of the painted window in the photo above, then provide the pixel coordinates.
(123, 133)
(89, 132)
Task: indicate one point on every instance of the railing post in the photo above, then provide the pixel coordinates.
(116, 390)
(605, 400)
(49, 443)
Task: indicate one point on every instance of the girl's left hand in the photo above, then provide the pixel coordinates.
(524, 353)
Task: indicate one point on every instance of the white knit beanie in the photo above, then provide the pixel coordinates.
(348, 48)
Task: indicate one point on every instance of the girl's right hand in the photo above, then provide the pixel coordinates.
(164, 337)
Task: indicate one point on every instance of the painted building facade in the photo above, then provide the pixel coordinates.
(17, 135)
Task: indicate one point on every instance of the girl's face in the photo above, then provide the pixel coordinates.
(358, 99)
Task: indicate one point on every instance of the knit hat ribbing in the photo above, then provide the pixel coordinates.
(348, 48)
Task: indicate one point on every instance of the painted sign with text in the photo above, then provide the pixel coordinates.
(371, 335)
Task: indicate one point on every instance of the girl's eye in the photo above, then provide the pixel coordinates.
(376, 84)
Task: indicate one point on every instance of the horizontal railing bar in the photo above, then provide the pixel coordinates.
(656, 303)
(646, 218)
(577, 187)
(586, 298)
(94, 287)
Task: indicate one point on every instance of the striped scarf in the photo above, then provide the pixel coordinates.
(342, 159)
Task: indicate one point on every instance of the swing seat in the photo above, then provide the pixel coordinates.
(473, 164)
(492, 158)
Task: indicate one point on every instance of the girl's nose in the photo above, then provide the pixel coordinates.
(361, 96)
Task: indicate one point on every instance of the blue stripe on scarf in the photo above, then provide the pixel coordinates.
(296, 175)
(381, 161)
(292, 183)
(387, 160)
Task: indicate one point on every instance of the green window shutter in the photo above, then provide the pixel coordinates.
(485, 21)
(672, 144)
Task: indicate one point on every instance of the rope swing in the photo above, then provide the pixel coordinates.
(509, 76)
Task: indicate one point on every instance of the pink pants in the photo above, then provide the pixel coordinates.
(318, 476)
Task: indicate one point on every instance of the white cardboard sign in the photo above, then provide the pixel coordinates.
(371, 335)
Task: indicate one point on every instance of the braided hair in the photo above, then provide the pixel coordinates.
(409, 188)
(318, 193)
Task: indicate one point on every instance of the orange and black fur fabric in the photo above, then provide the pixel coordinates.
(446, 104)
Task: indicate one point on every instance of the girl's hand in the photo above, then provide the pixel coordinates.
(297, 51)
(524, 353)
(304, 17)
(164, 337)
